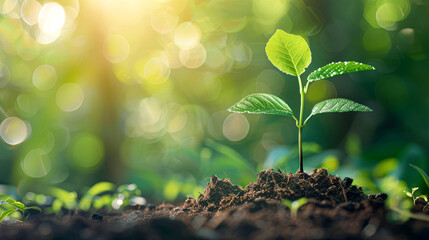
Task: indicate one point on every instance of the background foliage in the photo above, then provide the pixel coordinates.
(137, 91)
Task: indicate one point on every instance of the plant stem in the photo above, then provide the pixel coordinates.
(300, 126)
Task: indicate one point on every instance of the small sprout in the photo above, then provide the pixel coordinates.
(294, 205)
(16, 207)
(424, 197)
(291, 55)
(63, 199)
(88, 199)
(425, 177)
(414, 197)
(102, 194)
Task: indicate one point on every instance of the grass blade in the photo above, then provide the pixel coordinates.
(422, 173)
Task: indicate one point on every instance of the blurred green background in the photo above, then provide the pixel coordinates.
(136, 91)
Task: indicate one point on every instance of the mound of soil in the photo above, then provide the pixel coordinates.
(336, 209)
(271, 185)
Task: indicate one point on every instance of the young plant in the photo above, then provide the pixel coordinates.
(294, 205)
(413, 190)
(15, 206)
(413, 196)
(291, 55)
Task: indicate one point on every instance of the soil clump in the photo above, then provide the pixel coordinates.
(277, 185)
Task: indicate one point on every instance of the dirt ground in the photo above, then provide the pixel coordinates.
(336, 209)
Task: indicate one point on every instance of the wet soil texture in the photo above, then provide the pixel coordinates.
(336, 209)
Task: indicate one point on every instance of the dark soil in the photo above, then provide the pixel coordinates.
(271, 185)
(336, 209)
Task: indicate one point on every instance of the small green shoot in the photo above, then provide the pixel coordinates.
(63, 198)
(294, 205)
(16, 207)
(413, 196)
(291, 55)
(413, 190)
(98, 188)
(103, 194)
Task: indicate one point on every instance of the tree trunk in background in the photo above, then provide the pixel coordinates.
(108, 90)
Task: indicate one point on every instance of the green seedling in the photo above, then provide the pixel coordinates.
(413, 190)
(98, 188)
(294, 205)
(291, 55)
(413, 196)
(15, 206)
(63, 199)
(102, 195)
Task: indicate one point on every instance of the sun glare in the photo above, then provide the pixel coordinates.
(51, 21)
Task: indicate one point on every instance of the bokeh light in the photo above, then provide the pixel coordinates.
(235, 127)
(194, 57)
(44, 77)
(377, 40)
(172, 52)
(178, 117)
(234, 25)
(7, 6)
(386, 13)
(241, 54)
(69, 97)
(4, 75)
(156, 70)
(27, 104)
(272, 79)
(164, 22)
(87, 151)
(36, 163)
(13, 130)
(215, 58)
(30, 10)
(116, 48)
(187, 35)
(321, 90)
(152, 116)
(51, 20)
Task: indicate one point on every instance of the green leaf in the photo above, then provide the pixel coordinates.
(298, 203)
(100, 187)
(16, 204)
(424, 197)
(67, 198)
(289, 53)
(338, 105)
(6, 213)
(338, 68)
(86, 201)
(423, 173)
(19, 205)
(11, 201)
(34, 208)
(287, 203)
(56, 206)
(261, 103)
